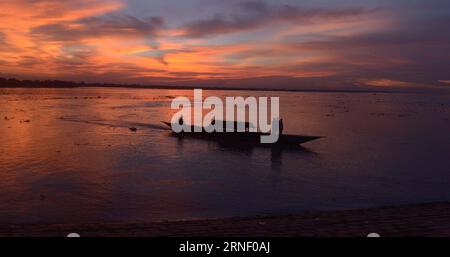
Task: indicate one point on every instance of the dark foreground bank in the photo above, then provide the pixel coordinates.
(430, 220)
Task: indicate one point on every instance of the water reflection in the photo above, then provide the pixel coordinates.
(245, 148)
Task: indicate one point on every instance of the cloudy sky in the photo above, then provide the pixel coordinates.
(314, 44)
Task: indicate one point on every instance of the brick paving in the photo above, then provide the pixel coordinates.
(414, 220)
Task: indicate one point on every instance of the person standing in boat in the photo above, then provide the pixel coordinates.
(279, 122)
(280, 126)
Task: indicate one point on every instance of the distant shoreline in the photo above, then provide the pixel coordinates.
(38, 84)
(218, 88)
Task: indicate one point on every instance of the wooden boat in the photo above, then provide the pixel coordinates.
(248, 137)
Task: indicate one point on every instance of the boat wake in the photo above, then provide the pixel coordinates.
(115, 123)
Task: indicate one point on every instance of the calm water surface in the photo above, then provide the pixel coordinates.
(67, 155)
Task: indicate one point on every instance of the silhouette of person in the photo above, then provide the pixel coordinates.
(280, 125)
(181, 121)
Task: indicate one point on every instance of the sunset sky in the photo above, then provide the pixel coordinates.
(313, 44)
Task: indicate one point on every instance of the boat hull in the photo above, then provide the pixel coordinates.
(248, 137)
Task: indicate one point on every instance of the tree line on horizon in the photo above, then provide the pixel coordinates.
(12, 82)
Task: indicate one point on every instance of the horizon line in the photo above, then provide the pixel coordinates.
(37, 83)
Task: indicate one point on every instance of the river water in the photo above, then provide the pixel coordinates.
(68, 155)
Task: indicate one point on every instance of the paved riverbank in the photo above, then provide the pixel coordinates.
(414, 220)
